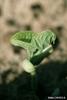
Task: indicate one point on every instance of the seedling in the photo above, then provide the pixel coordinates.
(36, 45)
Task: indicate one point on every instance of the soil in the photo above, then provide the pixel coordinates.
(37, 16)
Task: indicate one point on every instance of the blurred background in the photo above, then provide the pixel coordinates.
(37, 16)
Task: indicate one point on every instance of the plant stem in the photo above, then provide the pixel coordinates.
(30, 68)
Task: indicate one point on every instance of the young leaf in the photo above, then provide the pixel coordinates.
(35, 43)
(23, 39)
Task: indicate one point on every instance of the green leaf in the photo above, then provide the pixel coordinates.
(22, 36)
(23, 39)
(36, 44)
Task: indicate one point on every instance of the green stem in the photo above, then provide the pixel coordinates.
(31, 69)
